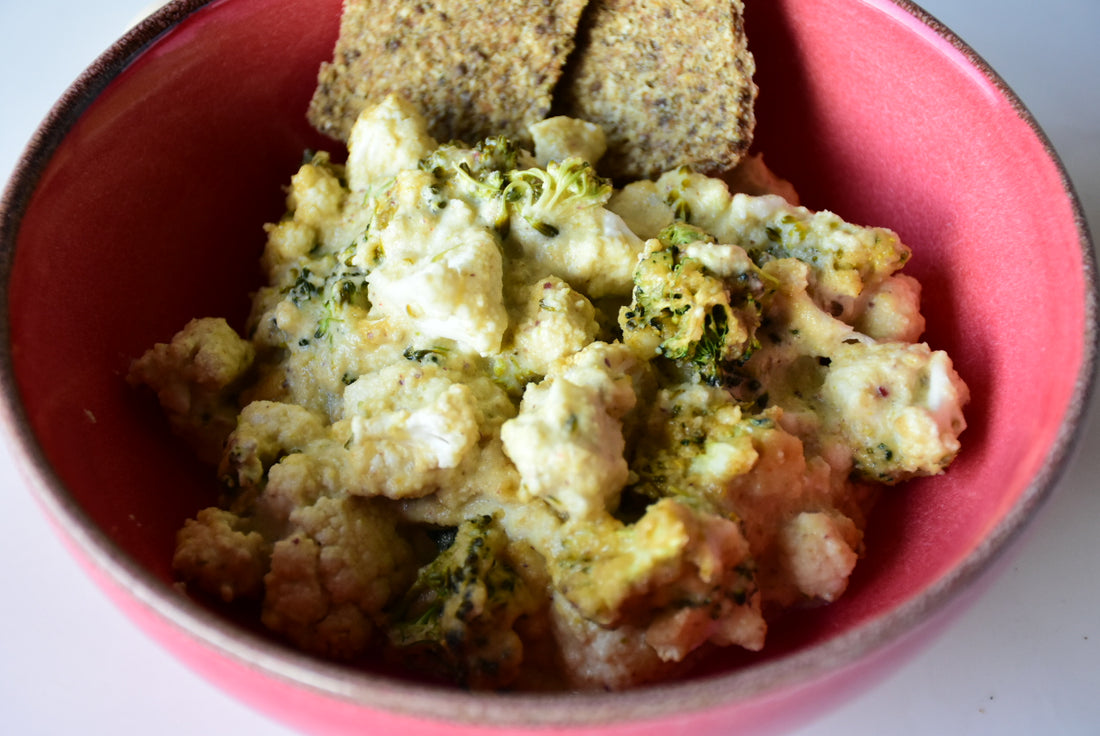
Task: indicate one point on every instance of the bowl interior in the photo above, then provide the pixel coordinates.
(149, 213)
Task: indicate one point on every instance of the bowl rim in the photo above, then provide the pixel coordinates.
(421, 701)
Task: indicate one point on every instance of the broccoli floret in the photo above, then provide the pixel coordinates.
(547, 196)
(488, 175)
(333, 282)
(463, 608)
(480, 170)
(478, 175)
(843, 258)
(694, 440)
(682, 233)
(685, 312)
(485, 160)
(324, 302)
(559, 225)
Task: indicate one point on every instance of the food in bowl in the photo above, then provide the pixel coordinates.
(832, 117)
(497, 418)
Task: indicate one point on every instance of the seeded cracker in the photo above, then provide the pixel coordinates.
(669, 81)
(474, 69)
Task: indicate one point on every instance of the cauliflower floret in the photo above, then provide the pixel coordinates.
(892, 408)
(197, 377)
(820, 551)
(561, 227)
(406, 428)
(288, 242)
(386, 139)
(561, 137)
(595, 657)
(844, 259)
(788, 369)
(683, 575)
(266, 431)
(222, 555)
(567, 448)
(567, 441)
(648, 206)
(781, 482)
(441, 273)
(463, 609)
(296, 481)
(611, 370)
(316, 193)
(316, 206)
(892, 311)
(753, 177)
(643, 207)
(319, 338)
(310, 325)
(555, 322)
(333, 575)
(487, 482)
(899, 407)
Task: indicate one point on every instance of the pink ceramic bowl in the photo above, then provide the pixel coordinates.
(139, 203)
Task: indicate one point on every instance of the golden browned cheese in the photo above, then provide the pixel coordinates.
(669, 82)
(472, 69)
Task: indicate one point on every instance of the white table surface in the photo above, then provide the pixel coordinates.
(1023, 659)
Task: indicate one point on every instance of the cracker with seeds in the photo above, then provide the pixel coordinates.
(670, 82)
(473, 69)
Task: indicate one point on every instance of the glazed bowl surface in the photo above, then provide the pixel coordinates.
(140, 203)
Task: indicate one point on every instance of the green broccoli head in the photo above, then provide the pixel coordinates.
(485, 163)
(694, 441)
(463, 608)
(683, 233)
(473, 173)
(546, 198)
(684, 312)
